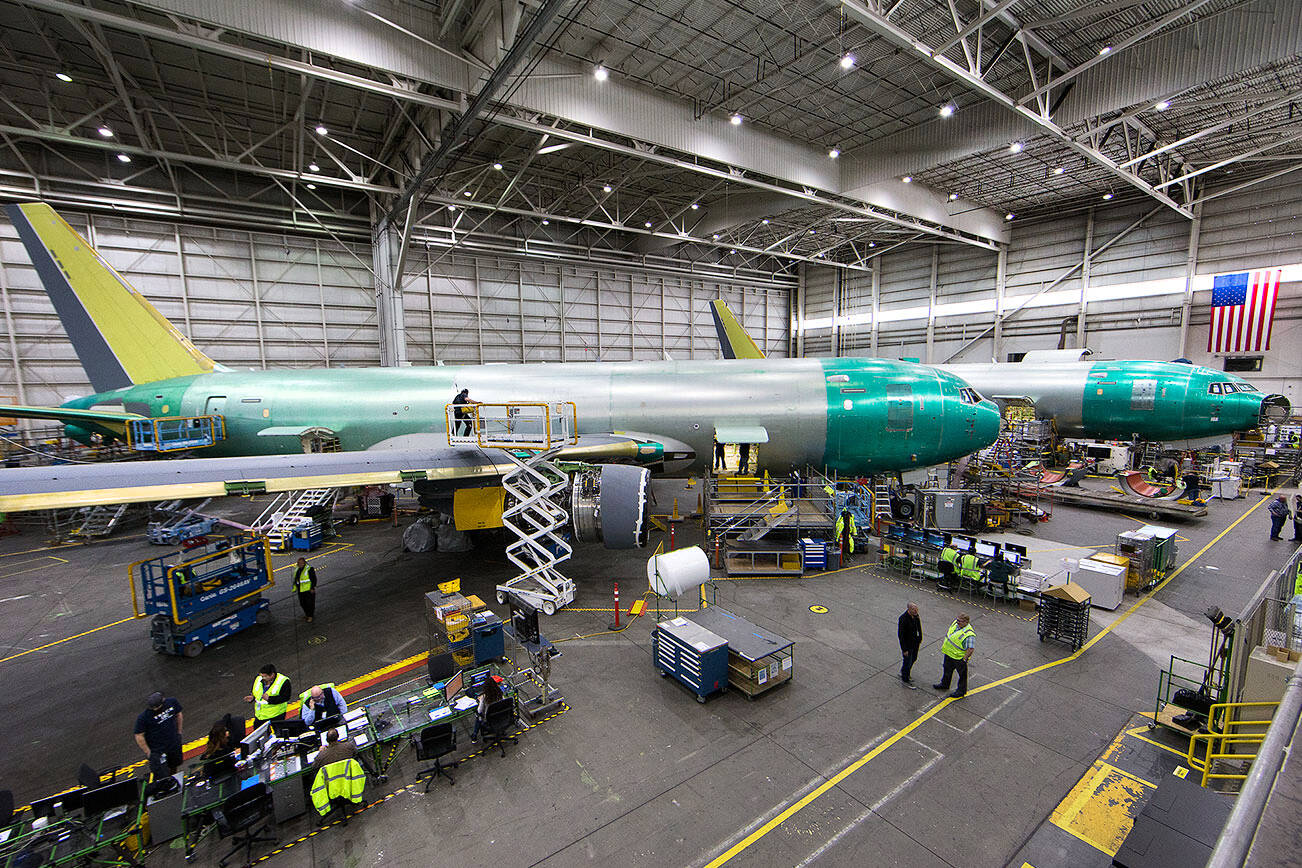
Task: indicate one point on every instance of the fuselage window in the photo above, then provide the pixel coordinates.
(1214, 389)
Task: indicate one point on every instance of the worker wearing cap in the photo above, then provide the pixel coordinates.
(305, 586)
(270, 695)
(960, 642)
(322, 702)
(158, 730)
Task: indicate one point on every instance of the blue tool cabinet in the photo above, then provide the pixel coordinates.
(692, 654)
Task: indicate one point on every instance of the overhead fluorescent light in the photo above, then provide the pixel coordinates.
(847, 61)
(321, 130)
(600, 73)
(947, 110)
(123, 158)
(551, 149)
(63, 76)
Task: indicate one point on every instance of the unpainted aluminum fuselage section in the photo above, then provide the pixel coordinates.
(835, 413)
(1161, 401)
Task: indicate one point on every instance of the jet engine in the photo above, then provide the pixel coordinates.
(608, 505)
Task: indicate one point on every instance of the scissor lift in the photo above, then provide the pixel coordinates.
(529, 434)
(203, 595)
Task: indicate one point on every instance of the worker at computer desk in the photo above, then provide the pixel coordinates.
(322, 704)
(335, 749)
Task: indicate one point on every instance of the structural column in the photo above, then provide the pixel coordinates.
(386, 255)
(1001, 285)
(1191, 266)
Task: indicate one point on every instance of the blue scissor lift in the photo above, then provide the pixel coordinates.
(201, 596)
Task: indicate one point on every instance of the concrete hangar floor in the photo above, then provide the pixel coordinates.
(842, 766)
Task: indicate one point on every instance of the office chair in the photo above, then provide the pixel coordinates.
(498, 721)
(243, 818)
(6, 807)
(435, 742)
(348, 770)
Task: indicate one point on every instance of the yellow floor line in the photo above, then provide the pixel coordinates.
(745, 843)
(64, 639)
(1135, 733)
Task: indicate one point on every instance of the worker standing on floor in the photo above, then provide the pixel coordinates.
(270, 695)
(1297, 518)
(845, 531)
(158, 730)
(910, 629)
(960, 643)
(305, 586)
(948, 565)
(1278, 515)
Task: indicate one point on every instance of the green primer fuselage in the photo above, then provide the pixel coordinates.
(833, 413)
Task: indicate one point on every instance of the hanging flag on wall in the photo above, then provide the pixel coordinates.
(1243, 311)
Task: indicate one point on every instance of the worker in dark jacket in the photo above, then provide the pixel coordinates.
(1297, 518)
(305, 586)
(910, 641)
(1278, 515)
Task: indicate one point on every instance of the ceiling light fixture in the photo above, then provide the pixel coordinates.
(313, 167)
(813, 231)
(466, 194)
(311, 186)
(63, 76)
(1105, 49)
(452, 207)
(647, 224)
(695, 207)
(715, 236)
(734, 250)
(1016, 148)
(105, 132)
(834, 153)
(600, 73)
(1009, 216)
(908, 179)
(547, 222)
(1060, 170)
(551, 149)
(321, 130)
(606, 188)
(947, 110)
(736, 119)
(123, 158)
(953, 197)
(497, 167)
(872, 243)
(847, 61)
(765, 221)
(1162, 105)
(1107, 196)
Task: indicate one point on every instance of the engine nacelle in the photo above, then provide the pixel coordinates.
(608, 504)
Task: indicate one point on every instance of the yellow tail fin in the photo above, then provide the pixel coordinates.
(119, 336)
(733, 339)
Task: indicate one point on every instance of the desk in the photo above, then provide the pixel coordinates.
(199, 797)
(71, 839)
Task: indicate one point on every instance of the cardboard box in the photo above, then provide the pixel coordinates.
(1071, 592)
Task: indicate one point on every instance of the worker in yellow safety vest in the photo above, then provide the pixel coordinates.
(969, 569)
(845, 531)
(948, 565)
(270, 694)
(305, 586)
(344, 779)
(956, 650)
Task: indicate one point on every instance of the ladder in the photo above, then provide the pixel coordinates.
(101, 520)
(529, 435)
(881, 501)
(289, 511)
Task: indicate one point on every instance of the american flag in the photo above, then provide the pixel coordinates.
(1243, 310)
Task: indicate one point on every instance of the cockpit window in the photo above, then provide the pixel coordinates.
(1246, 387)
(1214, 389)
(969, 396)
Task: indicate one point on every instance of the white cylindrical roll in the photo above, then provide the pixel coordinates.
(672, 573)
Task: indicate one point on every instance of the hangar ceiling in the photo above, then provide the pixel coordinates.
(315, 116)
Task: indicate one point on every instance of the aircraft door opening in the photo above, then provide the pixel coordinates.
(215, 405)
(899, 407)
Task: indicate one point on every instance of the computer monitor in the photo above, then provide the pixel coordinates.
(986, 549)
(101, 800)
(291, 728)
(1012, 547)
(524, 621)
(58, 806)
(961, 543)
(1013, 558)
(255, 741)
(452, 687)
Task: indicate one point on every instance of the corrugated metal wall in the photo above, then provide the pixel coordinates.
(255, 300)
(1255, 228)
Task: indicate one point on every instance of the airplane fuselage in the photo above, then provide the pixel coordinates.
(850, 415)
(1162, 401)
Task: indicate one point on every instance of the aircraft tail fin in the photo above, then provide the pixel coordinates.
(733, 339)
(120, 338)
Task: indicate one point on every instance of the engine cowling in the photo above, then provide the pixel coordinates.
(608, 504)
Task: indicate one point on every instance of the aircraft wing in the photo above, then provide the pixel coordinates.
(66, 486)
(114, 421)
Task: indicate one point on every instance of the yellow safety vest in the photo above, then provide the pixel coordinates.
(954, 639)
(968, 569)
(840, 526)
(950, 555)
(302, 581)
(268, 710)
(339, 780)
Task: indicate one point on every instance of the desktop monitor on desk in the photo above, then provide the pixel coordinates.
(1013, 547)
(961, 543)
(62, 805)
(453, 687)
(103, 799)
(1013, 558)
(255, 741)
(986, 549)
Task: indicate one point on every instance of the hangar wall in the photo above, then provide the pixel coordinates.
(1135, 278)
(262, 300)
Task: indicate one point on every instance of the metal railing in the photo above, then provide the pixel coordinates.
(1241, 828)
(1206, 749)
